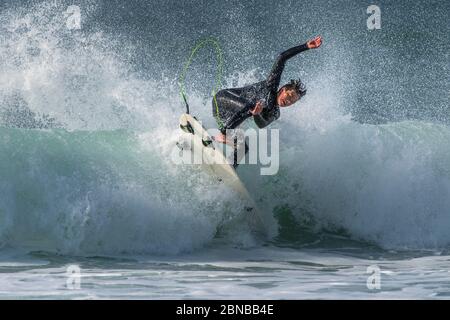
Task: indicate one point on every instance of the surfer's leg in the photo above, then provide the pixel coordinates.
(240, 148)
(229, 109)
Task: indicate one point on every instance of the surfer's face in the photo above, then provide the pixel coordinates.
(287, 97)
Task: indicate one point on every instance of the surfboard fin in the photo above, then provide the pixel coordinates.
(187, 128)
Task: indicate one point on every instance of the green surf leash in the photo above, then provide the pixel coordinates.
(218, 78)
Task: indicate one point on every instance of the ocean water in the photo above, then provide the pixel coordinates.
(91, 206)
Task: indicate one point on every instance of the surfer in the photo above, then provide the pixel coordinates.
(261, 100)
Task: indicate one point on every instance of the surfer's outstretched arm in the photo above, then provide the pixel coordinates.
(278, 67)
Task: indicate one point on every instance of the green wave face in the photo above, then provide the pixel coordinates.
(88, 119)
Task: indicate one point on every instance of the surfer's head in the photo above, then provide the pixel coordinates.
(290, 93)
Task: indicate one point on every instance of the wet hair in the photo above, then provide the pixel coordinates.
(296, 85)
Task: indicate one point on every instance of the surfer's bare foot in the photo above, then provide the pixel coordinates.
(222, 139)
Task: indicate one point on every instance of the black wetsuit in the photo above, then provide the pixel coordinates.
(232, 106)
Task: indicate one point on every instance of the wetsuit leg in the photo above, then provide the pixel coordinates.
(230, 109)
(236, 152)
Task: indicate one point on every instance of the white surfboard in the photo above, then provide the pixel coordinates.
(216, 164)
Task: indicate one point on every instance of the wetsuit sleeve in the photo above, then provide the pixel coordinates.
(235, 120)
(266, 117)
(274, 77)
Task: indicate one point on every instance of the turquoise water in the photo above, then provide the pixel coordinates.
(86, 199)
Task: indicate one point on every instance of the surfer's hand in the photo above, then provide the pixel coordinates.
(314, 43)
(258, 108)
